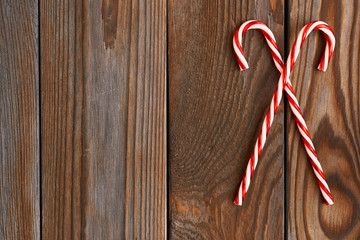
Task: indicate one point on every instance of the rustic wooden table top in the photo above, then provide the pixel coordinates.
(131, 120)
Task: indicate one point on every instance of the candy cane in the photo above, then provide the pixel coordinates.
(294, 105)
(284, 81)
(275, 101)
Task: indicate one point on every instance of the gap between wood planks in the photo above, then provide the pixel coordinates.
(286, 52)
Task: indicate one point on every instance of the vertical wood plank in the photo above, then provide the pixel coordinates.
(215, 115)
(330, 103)
(19, 131)
(103, 77)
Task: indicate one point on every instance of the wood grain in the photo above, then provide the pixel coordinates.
(19, 122)
(331, 106)
(215, 115)
(103, 99)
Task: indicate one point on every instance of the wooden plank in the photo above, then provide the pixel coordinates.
(215, 115)
(330, 103)
(103, 77)
(19, 121)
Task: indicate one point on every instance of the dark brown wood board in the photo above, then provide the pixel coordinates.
(19, 120)
(330, 103)
(103, 119)
(215, 115)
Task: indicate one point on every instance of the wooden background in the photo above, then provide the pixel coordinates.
(131, 120)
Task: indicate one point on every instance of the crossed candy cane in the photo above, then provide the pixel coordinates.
(284, 84)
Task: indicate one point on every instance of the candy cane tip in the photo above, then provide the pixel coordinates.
(236, 201)
(321, 69)
(330, 203)
(244, 68)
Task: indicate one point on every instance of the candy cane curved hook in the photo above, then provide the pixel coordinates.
(299, 41)
(270, 40)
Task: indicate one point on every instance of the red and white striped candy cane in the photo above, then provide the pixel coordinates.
(294, 105)
(284, 81)
(275, 101)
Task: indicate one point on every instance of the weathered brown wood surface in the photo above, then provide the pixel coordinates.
(19, 121)
(330, 103)
(103, 119)
(215, 115)
(85, 150)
